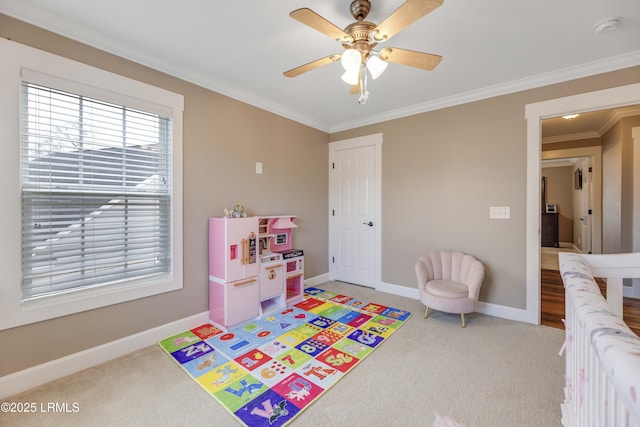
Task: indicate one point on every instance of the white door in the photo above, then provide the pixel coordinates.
(354, 211)
(587, 200)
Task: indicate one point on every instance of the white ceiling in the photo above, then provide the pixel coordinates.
(241, 49)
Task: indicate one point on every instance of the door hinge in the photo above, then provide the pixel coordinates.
(333, 165)
(590, 211)
(333, 259)
(333, 212)
(590, 169)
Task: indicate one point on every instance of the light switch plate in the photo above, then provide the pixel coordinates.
(499, 212)
(258, 167)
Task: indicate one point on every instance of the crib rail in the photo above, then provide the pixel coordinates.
(602, 353)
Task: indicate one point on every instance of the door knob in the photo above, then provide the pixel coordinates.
(370, 223)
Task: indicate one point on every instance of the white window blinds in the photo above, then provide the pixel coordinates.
(96, 207)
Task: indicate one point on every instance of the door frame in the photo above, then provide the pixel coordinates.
(534, 113)
(587, 208)
(595, 153)
(375, 140)
(634, 290)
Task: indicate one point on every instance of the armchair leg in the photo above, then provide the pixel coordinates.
(462, 317)
(426, 312)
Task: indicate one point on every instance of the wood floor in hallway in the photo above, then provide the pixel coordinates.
(552, 302)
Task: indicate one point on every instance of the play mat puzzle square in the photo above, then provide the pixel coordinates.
(266, 371)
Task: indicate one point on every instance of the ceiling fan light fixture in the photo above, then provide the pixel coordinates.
(351, 59)
(359, 39)
(376, 66)
(351, 77)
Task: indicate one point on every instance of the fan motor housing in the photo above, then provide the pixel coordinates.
(363, 36)
(360, 31)
(360, 9)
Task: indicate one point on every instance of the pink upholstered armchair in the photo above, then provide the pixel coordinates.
(449, 281)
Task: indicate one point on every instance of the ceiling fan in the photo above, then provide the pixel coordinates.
(361, 37)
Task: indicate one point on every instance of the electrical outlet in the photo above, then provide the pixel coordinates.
(258, 168)
(499, 212)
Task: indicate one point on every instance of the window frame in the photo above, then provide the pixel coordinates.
(36, 66)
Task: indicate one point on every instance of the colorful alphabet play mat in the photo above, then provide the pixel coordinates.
(267, 371)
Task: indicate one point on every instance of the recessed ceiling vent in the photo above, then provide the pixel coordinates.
(607, 25)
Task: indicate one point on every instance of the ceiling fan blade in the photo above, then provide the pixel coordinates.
(411, 58)
(312, 65)
(317, 22)
(409, 12)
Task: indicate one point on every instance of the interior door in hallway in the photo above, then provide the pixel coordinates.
(354, 211)
(586, 208)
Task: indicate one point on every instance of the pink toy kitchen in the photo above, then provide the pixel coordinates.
(253, 267)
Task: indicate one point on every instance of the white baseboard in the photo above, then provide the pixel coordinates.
(35, 376)
(495, 310)
(633, 290)
(317, 280)
(18, 382)
(402, 291)
(504, 312)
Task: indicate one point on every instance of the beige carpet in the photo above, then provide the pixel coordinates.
(493, 373)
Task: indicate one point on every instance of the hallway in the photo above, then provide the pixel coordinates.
(552, 294)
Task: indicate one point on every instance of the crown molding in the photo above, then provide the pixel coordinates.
(616, 115)
(69, 29)
(558, 163)
(73, 31)
(612, 119)
(571, 137)
(613, 63)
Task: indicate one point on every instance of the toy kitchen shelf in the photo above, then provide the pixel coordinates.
(275, 245)
(253, 270)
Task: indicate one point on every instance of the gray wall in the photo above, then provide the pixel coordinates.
(612, 189)
(628, 166)
(223, 139)
(617, 186)
(441, 171)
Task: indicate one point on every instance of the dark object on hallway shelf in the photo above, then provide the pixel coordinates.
(549, 231)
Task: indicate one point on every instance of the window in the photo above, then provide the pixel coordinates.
(95, 192)
(91, 184)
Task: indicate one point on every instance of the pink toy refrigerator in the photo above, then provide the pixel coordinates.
(233, 270)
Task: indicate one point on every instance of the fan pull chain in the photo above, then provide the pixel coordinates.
(364, 93)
